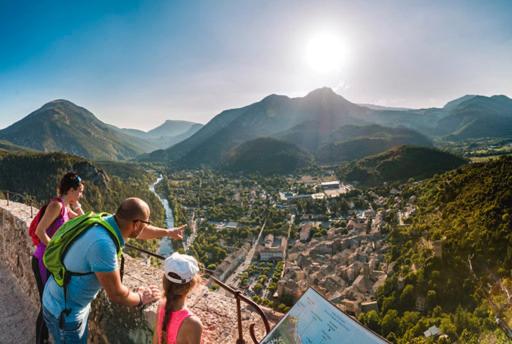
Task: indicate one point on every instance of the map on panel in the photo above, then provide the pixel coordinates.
(313, 320)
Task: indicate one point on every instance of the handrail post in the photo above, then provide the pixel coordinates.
(7, 193)
(240, 339)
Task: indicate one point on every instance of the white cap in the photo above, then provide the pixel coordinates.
(182, 265)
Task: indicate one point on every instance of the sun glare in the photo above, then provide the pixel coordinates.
(326, 53)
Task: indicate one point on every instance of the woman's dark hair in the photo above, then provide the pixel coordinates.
(172, 290)
(70, 180)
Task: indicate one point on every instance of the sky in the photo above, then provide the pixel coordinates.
(135, 64)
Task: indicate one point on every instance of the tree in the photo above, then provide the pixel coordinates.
(373, 320)
(390, 322)
(257, 287)
(409, 319)
(407, 297)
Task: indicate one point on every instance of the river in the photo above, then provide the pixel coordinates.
(165, 248)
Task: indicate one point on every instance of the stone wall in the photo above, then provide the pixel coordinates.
(16, 248)
(111, 323)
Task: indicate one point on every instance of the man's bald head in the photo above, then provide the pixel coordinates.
(133, 208)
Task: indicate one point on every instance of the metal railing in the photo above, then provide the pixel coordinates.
(239, 297)
(29, 200)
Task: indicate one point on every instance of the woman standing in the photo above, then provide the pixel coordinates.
(60, 209)
(176, 324)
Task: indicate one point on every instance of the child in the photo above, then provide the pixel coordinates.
(175, 323)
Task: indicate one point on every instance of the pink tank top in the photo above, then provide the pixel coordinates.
(174, 324)
(59, 221)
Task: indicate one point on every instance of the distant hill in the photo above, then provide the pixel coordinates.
(167, 134)
(173, 128)
(477, 117)
(266, 156)
(399, 164)
(356, 142)
(455, 246)
(63, 126)
(453, 104)
(467, 117)
(381, 107)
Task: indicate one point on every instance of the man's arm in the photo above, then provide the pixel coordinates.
(153, 232)
(119, 293)
(116, 291)
(102, 258)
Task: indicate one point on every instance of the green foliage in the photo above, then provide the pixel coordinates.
(355, 142)
(399, 164)
(465, 211)
(266, 156)
(390, 322)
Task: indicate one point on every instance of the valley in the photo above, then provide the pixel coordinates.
(372, 207)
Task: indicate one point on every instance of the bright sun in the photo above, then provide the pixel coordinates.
(326, 53)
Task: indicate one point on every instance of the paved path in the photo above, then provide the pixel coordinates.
(17, 316)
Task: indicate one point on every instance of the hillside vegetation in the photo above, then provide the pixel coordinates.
(266, 156)
(399, 164)
(466, 214)
(106, 184)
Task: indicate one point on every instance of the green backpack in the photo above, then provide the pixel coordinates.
(61, 241)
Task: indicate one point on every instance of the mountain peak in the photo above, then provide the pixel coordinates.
(501, 97)
(456, 102)
(57, 102)
(274, 98)
(322, 91)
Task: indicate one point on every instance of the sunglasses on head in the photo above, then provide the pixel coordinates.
(76, 180)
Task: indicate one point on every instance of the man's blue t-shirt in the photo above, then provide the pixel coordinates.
(94, 251)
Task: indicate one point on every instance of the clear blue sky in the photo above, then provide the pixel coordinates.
(137, 63)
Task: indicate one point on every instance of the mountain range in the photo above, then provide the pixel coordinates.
(60, 125)
(333, 129)
(322, 124)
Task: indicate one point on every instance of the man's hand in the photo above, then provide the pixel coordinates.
(177, 233)
(149, 294)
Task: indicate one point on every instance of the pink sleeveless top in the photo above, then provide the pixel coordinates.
(59, 221)
(174, 324)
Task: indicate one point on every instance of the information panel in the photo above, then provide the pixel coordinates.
(314, 320)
